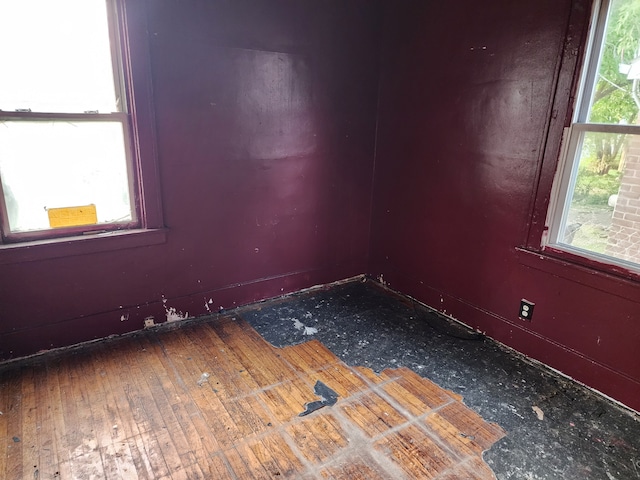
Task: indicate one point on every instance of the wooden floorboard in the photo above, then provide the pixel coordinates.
(213, 400)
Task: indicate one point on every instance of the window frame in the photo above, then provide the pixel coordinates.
(132, 81)
(576, 76)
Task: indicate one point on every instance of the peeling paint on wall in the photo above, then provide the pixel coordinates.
(207, 303)
(173, 315)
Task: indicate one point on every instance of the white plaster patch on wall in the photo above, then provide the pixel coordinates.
(173, 315)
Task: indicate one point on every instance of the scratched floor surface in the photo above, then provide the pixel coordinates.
(214, 400)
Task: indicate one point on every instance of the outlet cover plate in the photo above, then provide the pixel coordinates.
(526, 310)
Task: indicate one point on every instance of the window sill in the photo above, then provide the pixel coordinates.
(609, 278)
(80, 245)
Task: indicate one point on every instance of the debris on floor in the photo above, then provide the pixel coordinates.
(328, 396)
(203, 379)
(538, 411)
(298, 325)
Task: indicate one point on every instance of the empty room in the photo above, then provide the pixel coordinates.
(320, 239)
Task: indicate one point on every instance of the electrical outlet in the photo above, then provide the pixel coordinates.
(149, 322)
(526, 309)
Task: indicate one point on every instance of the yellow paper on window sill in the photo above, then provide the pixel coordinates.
(72, 216)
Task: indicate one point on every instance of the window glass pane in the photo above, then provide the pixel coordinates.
(616, 95)
(604, 211)
(55, 56)
(63, 164)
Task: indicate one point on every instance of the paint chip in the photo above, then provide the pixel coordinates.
(298, 325)
(173, 315)
(538, 411)
(207, 303)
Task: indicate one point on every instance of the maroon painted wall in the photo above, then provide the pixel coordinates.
(467, 96)
(265, 118)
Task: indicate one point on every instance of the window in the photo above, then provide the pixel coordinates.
(597, 209)
(71, 154)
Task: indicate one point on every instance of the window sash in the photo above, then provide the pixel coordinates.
(10, 237)
(567, 175)
(117, 56)
(593, 55)
(565, 187)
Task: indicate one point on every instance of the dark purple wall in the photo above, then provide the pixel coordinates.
(265, 116)
(466, 100)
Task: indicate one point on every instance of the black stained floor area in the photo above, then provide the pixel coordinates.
(581, 436)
